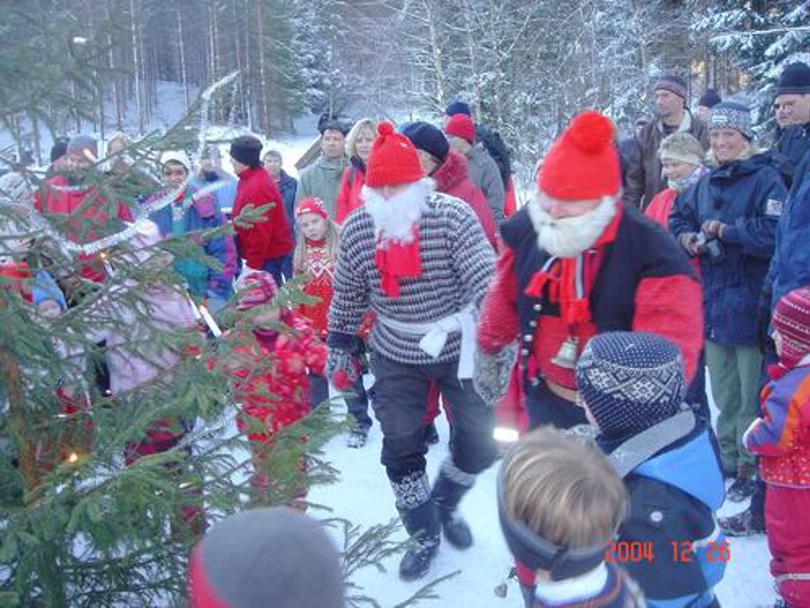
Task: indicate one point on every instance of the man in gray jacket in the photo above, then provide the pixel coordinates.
(644, 179)
(322, 178)
(483, 169)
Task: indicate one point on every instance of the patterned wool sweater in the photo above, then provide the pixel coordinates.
(457, 265)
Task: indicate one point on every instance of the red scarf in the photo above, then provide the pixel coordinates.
(396, 260)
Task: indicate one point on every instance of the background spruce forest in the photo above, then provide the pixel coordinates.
(525, 66)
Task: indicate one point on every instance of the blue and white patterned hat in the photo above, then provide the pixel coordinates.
(630, 381)
(731, 115)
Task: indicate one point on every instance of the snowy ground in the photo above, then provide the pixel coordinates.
(364, 497)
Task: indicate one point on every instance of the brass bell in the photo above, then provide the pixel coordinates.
(566, 357)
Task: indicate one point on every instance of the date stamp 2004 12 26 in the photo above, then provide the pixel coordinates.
(680, 552)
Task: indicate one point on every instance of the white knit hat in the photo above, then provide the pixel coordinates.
(176, 156)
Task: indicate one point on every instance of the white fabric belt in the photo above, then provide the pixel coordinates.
(435, 333)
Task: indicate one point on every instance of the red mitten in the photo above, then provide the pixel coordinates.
(342, 369)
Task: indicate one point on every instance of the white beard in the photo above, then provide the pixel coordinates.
(394, 218)
(570, 236)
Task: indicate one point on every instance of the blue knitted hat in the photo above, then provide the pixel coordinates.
(425, 136)
(731, 115)
(458, 107)
(795, 79)
(630, 381)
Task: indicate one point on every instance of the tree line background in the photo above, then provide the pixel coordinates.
(525, 66)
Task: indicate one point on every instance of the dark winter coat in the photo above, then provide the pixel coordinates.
(794, 146)
(747, 195)
(637, 280)
(673, 497)
(790, 266)
(644, 179)
(267, 240)
(485, 174)
(288, 186)
(451, 178)
(202, 215)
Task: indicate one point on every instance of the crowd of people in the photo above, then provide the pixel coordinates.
(587, 319)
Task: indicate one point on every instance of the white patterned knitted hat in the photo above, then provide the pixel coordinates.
(630, 381)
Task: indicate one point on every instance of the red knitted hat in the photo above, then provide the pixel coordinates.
(393, 159)
(311, 204)
(583, 163)
(461, 125)
(255, 289)
(791, 317)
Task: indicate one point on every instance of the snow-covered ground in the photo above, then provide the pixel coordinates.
(364, 497)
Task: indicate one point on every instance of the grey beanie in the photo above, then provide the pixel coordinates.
(731, 115)
(272, 557)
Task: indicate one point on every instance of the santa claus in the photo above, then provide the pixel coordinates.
(577, 262)
(419, 259)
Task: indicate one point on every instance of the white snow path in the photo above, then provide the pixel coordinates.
(363, 496)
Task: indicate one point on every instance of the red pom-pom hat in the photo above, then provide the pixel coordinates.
(462, 126)
(311, 204)
(583, 163)
(393, 159)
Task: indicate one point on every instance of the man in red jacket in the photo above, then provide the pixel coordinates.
(576, 262)
(264, 243)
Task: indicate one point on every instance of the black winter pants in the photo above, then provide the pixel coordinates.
(399, 402)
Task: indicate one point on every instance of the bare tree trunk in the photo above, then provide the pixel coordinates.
(264, 115)
(137, 60)
(183, 72)
(435, 49)
(111, 65)
(473, 55)
(37, 146)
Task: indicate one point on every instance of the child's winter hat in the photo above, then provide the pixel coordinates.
(791, 318)
(795, 79)
(274, 558)
(682, 147)
(84, 145)
(583, 163)
(175, 156)
(630, 381)
(673, 84)
(428, 138)
(393, 159)
(461, 125)
(311, 204)
(457, 107)
(255, 289)
(709, 99)
(45, 288)
(731, 115)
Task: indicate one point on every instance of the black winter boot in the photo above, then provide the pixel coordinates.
(419, 515)
(451, 485)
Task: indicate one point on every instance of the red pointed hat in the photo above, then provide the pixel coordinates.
(583, 163)
(393, 159)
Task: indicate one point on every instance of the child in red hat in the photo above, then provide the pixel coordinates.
(270, 361)
(781, 437)
(315, 257)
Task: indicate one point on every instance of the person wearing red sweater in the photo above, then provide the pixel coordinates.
(358, 147)
(270, 370)
(73, 200)
(576, 262)
(264, 244)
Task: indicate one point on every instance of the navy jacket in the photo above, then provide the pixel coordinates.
(794, 146)
(790, 266)
(673, 497)
(288, 186)
(748, 196)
